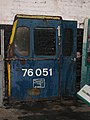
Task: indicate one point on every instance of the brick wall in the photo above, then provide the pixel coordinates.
(68, 9)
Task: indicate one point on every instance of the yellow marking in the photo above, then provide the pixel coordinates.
(8, 67)
(39, 17)
(13, 32)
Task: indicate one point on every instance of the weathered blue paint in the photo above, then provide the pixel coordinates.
(20, 85)
(62, 80)
(68, 64)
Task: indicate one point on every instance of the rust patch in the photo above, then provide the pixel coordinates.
(23, 62)
(33, 91)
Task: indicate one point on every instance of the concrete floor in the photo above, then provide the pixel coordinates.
(47, 110)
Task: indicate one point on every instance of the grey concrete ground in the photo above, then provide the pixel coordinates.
(47, 110)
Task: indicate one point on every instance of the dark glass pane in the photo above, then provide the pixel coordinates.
(45, 41)
(67, 42)
(22, 41)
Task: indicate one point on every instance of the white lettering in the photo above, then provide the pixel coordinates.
(45, 71)
(38, 72)
(30, 72)
(25, 71)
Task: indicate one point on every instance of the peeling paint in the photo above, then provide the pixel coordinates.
(33, 91)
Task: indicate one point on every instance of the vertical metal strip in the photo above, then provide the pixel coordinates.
(2, 87)
(84, 55)
(2, 43)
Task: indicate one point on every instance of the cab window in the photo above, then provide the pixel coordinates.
(45, 41)
(67, 42)
(22, 41)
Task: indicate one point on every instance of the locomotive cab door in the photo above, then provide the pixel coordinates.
(1, 65)
(34, 59)
(68, 59)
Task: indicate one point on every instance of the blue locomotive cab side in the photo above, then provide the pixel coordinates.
(39, 67)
